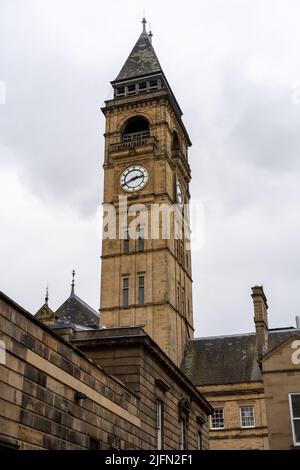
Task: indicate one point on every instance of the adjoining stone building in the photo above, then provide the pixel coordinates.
(253, 382)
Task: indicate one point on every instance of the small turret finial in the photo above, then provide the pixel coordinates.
(47, 296)
(73, 283)
(150, 33)
(144, 24)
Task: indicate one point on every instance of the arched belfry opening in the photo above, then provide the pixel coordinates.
(136, 128)
(175, 141)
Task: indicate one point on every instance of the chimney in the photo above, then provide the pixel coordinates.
(298, 322)
(260, 320)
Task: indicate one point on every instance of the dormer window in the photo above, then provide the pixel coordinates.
(136, 128)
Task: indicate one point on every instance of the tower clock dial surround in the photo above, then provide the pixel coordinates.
(134, 178)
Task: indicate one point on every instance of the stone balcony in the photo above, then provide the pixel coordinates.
(136, 143)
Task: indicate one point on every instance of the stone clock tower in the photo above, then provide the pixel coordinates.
(146, 280)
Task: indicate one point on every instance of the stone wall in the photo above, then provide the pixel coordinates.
(53, 397)
(134, 358)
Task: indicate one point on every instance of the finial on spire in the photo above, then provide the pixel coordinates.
(47, 296)
(150, 33)
(73, 283)
(144, 24)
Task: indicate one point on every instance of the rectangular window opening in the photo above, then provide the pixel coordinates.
(247, 416)
(141, 290)
(120, 91)
(159, 424)
(141, 240)
(131, 90)
(182, 434)
(126, 243)
(142, 86)
(125, 292)
(217, 419)
(200, 445)
(295, 416)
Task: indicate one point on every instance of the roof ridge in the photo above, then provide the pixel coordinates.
(85, 304)
(201, 338)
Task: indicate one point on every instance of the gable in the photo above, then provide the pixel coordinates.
(286, 356)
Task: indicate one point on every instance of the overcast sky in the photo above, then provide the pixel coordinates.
(234, 67)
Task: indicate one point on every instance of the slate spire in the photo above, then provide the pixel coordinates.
(142, 60)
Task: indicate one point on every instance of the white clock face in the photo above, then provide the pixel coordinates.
(179, 195)
(134, 178)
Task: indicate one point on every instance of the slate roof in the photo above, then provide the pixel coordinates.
(227, 359)
(141, 61)
(75, 310)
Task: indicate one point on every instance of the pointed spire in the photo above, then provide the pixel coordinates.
(73, 284)
(142, 60)
(47, 296)
(144, 22)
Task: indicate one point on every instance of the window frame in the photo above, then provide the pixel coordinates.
(141, 240)
(296, 443)
(159, 424)
(211, 419)
(183, 433)
(125, 291)
(200, 439)
(126, 246)
(141, 289)
(241, 419)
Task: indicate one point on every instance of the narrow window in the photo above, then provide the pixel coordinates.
(183, 299)
(178, 296)
(295, 416)
(182, 434)
(159, 424)
(126, 243)
(200, 447)
(141, 290)
(247, 416)
(141, 239)
(125, 292)
(217, 419)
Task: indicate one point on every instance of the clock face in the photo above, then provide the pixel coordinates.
(179, 195)
(134, 178)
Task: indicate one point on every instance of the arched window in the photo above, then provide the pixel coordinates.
(136, 128)
(175, 141)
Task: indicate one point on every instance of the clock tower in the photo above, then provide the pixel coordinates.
(146, 276)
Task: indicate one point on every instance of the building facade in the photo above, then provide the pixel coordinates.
(252, 381)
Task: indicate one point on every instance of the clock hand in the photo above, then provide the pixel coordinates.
(133, 179)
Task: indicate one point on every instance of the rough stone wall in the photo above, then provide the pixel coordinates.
(41, 382)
